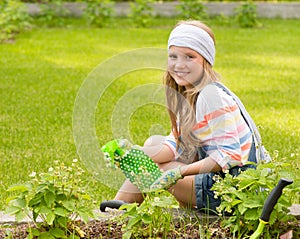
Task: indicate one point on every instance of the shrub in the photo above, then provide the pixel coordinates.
(246, 15)
(99, 12)
(13, 19)
(190, 9)
(52, 13)
(141, 12)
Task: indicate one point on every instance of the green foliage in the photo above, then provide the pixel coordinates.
(53, 13)
(190, 9)
(243, 198)
(141, 12)
(13, 19)
(150, 219)
(98, 12)
(246, 15)
(56, 198)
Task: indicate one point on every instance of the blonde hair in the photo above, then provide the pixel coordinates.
(181, 103)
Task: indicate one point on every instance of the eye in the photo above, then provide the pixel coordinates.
(172, 56)
(189, 57)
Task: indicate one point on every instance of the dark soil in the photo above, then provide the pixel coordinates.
(111, 230)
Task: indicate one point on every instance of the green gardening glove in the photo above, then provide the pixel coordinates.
(167, 180)
(138, 167)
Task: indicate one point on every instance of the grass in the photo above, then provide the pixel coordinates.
(42, 72)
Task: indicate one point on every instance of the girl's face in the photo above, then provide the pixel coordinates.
(185, 66)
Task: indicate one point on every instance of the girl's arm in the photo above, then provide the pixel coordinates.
(206, 165)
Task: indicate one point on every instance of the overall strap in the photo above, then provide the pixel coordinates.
(261, 152)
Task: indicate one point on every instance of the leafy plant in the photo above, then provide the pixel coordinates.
(243, 198)
(141, 12)
(52, 12)
(152, 218)
(13, 19)
(246, 15)
(56, 198)
(190, 9)
(99, 12)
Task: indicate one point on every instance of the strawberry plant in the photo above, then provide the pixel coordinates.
(243, 197)
(151, 218)
(54, 201)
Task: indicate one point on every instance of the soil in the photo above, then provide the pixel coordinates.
(111, 230)
(107, 229)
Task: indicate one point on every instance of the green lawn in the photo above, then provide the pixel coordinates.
(42, 72)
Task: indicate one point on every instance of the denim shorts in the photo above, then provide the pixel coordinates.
(205, 197)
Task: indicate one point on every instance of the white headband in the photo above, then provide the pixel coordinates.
(186, 35)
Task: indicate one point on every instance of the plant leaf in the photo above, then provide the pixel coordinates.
(251, 214)
(133, 221)
(58, 233)
(60, 212)
(49, 198)
(12, 210)
(69, 205)
(50, 217)
(20, 215)
(84, 216)
(46, 235)
(63, 222)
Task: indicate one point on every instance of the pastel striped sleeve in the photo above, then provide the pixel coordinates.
(170, 142)
(221, 128)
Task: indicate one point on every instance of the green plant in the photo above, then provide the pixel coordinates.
(243, 198)
(190, 9)
(152, 218)
(56, 198)
(52, 12)
(141, 12)
(98, 12)
(246, 15)
(13, 19)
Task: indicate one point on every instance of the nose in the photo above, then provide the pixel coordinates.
(179, 63)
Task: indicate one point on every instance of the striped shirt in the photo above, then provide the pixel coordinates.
(225, 136)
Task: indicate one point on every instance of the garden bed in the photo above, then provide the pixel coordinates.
(108, 227)
(112, 230)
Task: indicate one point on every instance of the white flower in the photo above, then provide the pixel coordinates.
(156, 199)
(50, 169)
(32, 175)
(75, 160)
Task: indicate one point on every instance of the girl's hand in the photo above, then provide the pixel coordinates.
(167, 180)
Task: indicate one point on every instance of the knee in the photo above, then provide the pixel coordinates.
(154, 140)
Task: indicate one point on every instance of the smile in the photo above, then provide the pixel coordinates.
(180, 73)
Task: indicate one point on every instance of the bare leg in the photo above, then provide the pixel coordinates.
(184, 189)
(129, 193)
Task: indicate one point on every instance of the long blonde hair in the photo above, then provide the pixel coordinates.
(181, 103)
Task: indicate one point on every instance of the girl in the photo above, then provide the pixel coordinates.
(211, 131)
